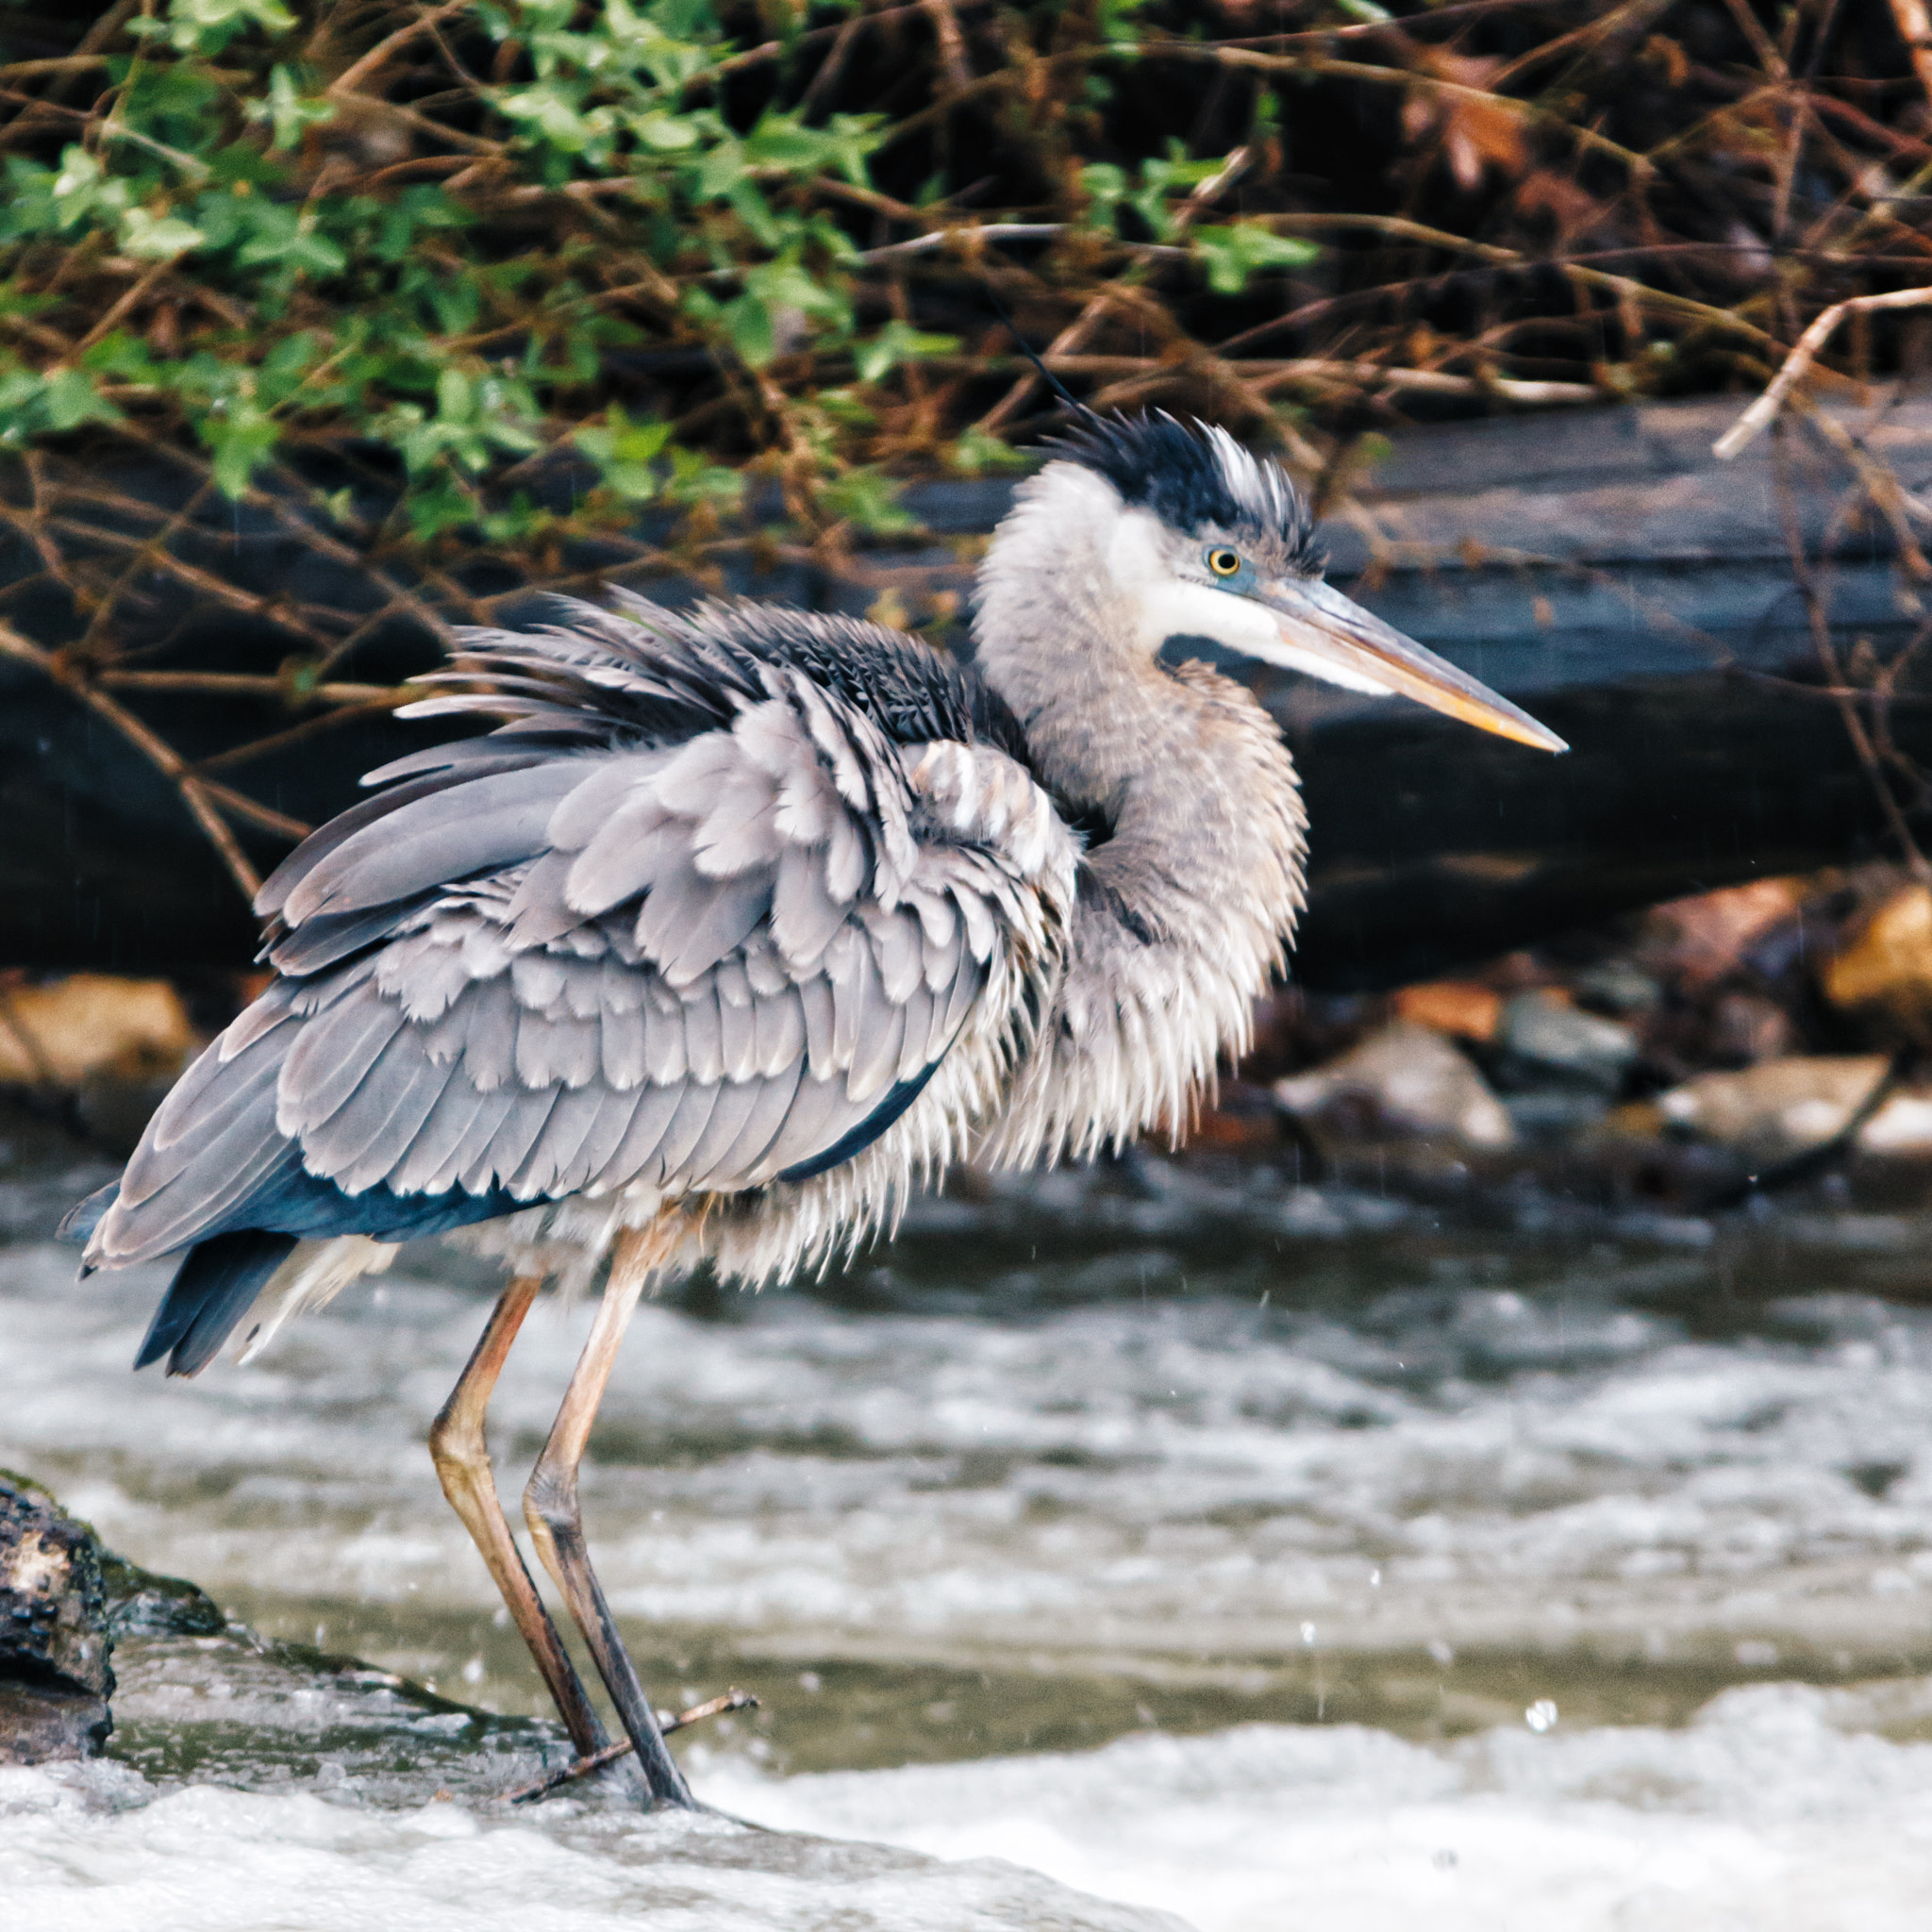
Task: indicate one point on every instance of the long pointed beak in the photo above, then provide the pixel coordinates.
(1328, 637)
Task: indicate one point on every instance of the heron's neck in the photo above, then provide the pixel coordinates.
(1188, 902)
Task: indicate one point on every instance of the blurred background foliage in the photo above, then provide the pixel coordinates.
(445, 303)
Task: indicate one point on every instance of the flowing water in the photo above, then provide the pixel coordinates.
(1177, 1546)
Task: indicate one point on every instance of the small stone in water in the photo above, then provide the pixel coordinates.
(1405, 1079)
(1562, 1038)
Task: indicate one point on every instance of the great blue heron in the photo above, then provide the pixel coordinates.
(742, 923)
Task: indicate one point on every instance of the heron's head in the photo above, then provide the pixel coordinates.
(1190, 534)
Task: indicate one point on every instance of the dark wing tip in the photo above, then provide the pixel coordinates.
(214, 1286)
(858, 1139)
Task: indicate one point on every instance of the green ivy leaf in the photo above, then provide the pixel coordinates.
(158, 237)
(869, 499)
(288, 111)
(751, 330)
(695, 481)
(205, 26)
(976, 451)
(1233, 253)
(625, 452)
(70, 398)
(665, 134)
(898, 341)
(444, 505)
(241, 437)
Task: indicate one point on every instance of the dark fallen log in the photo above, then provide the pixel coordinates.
(1600, 568)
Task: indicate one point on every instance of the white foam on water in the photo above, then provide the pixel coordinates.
(93, 1849)
(1760, 1817)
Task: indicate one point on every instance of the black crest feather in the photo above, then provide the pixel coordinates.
(1193, 478)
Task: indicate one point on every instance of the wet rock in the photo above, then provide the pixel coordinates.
(140, 1603)
(1885, 970)
(1902, 1127)
(1700, 940)
(1549, 1116)
(56, 1676)
(1785, 1106)
(1405, 1079)
(1550, 1033)
(1618, 987)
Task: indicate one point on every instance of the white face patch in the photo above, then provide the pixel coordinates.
(1166, 607)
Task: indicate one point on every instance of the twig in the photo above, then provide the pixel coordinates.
(251, 684)
(667, 1723)
(1914, 23)
(1862, 748)
(243, 807)
(1069, 339)
(296, 734)
(833, 66)
(161, 754)
(1801, 358)
(354, 74)
(66, 63)
(951, 43)
(1264, 376)
(985, 231)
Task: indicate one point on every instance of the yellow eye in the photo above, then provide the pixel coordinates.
(1223, 563)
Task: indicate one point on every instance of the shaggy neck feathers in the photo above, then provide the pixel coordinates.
(1186, 910)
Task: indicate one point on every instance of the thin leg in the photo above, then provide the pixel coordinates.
(550, 1508)
(462, 1466)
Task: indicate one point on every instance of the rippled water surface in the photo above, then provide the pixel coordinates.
(1212, 1547)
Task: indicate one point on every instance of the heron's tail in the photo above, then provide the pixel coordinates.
(214, 1286)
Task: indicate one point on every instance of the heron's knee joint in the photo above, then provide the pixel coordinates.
(456, 1442)
(550, 1500)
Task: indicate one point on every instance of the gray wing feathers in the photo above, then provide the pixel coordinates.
(430, 1165)
(212, 1141)
(559, 962)
(817, 1116)
(453, 834)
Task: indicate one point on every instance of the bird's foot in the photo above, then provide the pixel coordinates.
(668, 1720)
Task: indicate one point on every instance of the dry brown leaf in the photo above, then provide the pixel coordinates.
(1475, 132)
(1452, 1005)
(1705, 937)
(1886, 965)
